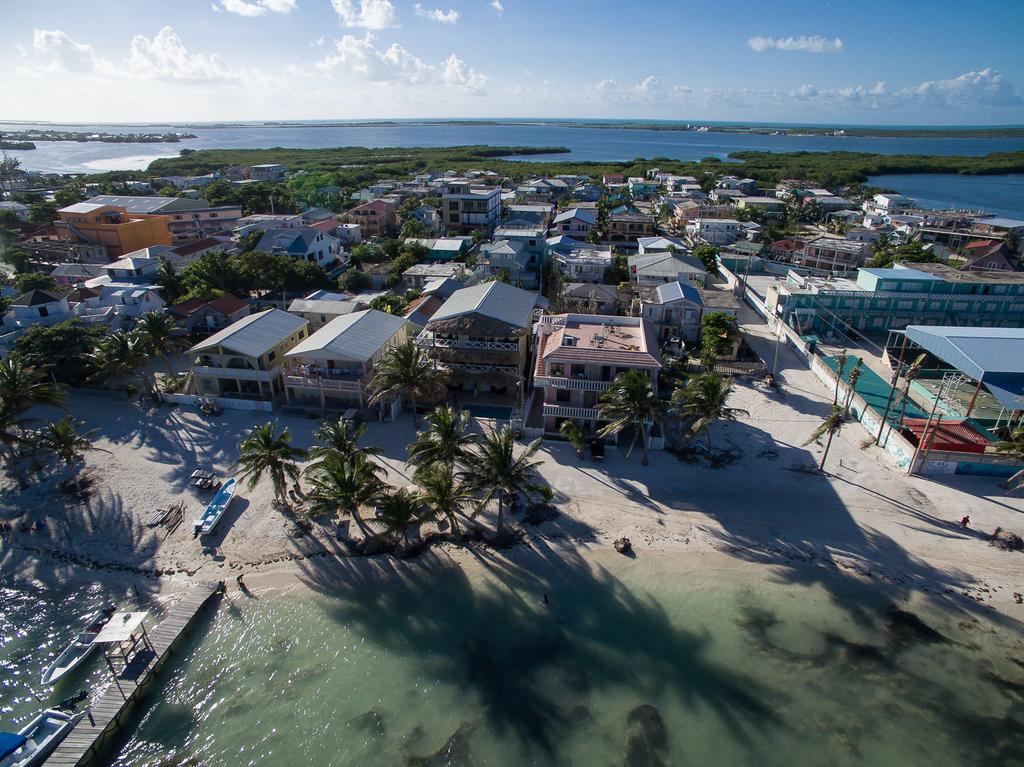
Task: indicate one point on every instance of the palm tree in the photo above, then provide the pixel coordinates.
(63, 440)
(339, 439)
(344, 485)
(573, 432)
(23, 387)
(12, 430)
(854, 378)
(908, 378)
(117, 355)
(703, 399)
(630, 401)
(405, 369)
(445, 495)
(156, 334)
(840, 367)
(265, 451)
(495, 470)
(398, 514)
(832, 423)
(446, 440)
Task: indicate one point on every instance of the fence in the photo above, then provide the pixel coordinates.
(228, 403)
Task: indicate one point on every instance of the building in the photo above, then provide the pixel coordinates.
(319, 311)
(466, 208)
(305, 244)
(348, 233)
(418, 275)
(509, 260)
(429, 218)
(770, 206)
(578, 357)
(988, 255)
(199, 316)
(538, 215)
(333, 368)
(266, 172)
(244, 360)
(75, 274)
(629, 227)
(890, 203)
(884, 299)
(113, 227)
(444, 248)
(714, 231)
(16, 209)
(376, 218)
(661, 245)
(657, 268)
(481, 336)
(261, 222)
(833, 254)
(575, 222)
(590, 298)
(674, 310)
(579, 261)
(187, 218)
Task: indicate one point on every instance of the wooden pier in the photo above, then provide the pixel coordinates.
(94, 731)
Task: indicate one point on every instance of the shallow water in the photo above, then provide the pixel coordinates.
(1002, 195)
(663, 667)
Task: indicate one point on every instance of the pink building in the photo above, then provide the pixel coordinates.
(578, 357)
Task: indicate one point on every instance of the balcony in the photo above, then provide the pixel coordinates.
(317, 382)
(238, 374)
(428, 341)
(565, 382)
(564, 411)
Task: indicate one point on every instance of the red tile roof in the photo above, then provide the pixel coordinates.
(185, 308)
(228, 304)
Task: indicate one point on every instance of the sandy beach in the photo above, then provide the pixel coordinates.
(864, 517)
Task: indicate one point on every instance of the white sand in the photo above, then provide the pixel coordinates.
(865, 518)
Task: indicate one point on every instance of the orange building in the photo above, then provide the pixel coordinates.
(113, 227)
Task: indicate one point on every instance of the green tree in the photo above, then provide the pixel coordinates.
(62, 349)
(156, 331)
(117, 355)
(212, 275)
(708, 255)
(446, 441)
(399, 514)
(23, 387)
(266, 452)
(717, 331)
(388, 303)
(573, 432)
(61, 438)
(355, 281)
(833, 423)
(497, 470)
(840, 369)
(854, 378)
(701, 401)
(339, 439)
(631, 402)
(68, 195)
(342, 486)
(406, 370)
(34, 281)
(42, 213)
(168, 279)
(445, 494)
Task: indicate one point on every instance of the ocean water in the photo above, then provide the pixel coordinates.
(1003, 195)
(383, 664)
(584, 143)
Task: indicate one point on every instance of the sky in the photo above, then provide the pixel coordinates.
(916, 62)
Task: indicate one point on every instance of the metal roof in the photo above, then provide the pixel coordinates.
(357, 336)
(495, 300)
(254, 335)
(994, 356)
(324, 306)
(664, 264)
(137, 204)
(676, 291)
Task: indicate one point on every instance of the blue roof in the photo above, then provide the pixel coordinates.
(10, 742)
(994, 356)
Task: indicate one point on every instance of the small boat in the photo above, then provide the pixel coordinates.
(78, 650)
(33, 743)
(205, 524)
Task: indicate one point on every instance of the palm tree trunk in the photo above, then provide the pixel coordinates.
(707, 434)
(358, 519)
(412, 404)
(500, 526)
(167, 364)
(828, 444)
(643, 431)
(632, 443)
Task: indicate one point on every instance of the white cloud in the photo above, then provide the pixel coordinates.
(253, 8)
(808, 44)
(53, 49)
(369, 14)
(436, 14)
(165, 57)
(985, 88)
(358, 55)
(455, 72)
(496, 5)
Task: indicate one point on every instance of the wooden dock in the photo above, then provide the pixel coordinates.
(94, 731)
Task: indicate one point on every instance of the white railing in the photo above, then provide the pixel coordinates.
(565, 382)
(240, 374)
(561, 411)
(326, 383)
(477, 369)
(428, 341)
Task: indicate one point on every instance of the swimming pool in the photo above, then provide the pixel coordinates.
(488, 411)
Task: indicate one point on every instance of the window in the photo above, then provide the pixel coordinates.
(271, 356)
(562, 395)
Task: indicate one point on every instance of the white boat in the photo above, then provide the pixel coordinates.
(78, 650)
(34, 742)
(205, 524)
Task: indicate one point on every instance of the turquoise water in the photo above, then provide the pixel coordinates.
(488, 411)
(413, 667)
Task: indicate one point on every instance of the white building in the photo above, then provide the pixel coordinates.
(715, 231)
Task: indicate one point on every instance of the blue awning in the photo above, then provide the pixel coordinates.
(10, 742)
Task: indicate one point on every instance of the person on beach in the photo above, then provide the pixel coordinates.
(965, 522)
(241, 583)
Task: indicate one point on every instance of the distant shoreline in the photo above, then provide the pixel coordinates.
(752, 128)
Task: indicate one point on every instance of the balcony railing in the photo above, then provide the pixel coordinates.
(428, 341)
(566, 382)
(457, 367)
(562, 411)
(238, 374)
(326, 383)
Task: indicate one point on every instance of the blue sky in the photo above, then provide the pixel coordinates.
(917, 62)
